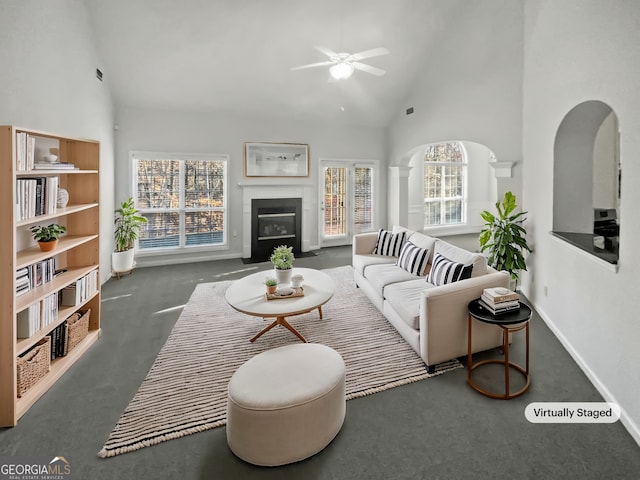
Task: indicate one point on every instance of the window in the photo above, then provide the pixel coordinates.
(363, 208)
(183, 198)
(445, 174)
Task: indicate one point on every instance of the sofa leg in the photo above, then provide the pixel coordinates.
(431, 369)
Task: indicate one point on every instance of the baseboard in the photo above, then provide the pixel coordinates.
(627, 422)
(157, 261)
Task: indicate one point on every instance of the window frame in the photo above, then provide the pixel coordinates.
(464, 198)
(182, 210)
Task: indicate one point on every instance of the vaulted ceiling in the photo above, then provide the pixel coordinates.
(237, 55)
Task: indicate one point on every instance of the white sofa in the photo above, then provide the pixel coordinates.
(432, 319)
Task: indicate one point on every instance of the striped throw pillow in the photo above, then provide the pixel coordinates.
(445, 271)
(413, 259)
(389, 244)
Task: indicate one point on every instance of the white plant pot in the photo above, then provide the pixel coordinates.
(283, 276)
(122, 261)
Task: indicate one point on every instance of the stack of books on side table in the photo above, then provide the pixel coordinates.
(499, 300)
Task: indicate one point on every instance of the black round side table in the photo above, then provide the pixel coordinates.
(509, 322)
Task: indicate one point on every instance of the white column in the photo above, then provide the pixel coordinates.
(398, 204)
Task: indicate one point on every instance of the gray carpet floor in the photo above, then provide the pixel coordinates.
(437, 429)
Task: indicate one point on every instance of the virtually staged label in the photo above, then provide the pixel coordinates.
(572, 412)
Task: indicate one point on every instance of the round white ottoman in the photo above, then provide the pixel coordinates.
(286, 404)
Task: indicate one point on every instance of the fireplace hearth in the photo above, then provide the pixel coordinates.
(274, 222)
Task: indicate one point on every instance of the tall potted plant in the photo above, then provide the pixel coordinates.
(128, 223)
(503, 237)
(282, 260)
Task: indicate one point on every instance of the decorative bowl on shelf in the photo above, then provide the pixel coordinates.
(50, 158)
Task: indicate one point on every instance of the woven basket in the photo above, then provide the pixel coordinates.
(33, 366)
(78, 328)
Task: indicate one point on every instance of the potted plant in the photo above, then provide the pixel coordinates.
(271, 284)
(47, 237)
(282, 260)
(503, 237)
(128, 223)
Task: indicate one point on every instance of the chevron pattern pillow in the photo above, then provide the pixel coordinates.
(413, 259)
(389, 243)
(445, 271)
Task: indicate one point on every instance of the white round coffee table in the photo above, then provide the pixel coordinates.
(247, 295)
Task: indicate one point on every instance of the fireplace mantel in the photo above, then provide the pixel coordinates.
(250, 191)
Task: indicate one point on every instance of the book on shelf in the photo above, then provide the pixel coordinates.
(500, 294)
(28, 321)
(59, 340)
(22, 281)
(41, 272)
(54, 166)
(36, 196)
(49, 309)
(80, 290)
(25, 151)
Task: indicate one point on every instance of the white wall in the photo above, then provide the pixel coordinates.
(579, 50)
(191, 132)
(605, 164)
(471, 88)
(48, 83)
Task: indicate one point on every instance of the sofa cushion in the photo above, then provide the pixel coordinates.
(413, 259)
(389, 243)
(361, 262)
(459, 255)
(379, 276)
(405, 299)
(445, 271)
(424, 241)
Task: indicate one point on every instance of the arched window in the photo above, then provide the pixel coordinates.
(445, 178)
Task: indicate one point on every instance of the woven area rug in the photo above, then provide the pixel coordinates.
(185, 390)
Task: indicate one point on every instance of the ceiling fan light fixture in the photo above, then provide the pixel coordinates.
(341, 70)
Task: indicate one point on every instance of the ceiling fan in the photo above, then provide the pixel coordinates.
(344, 64)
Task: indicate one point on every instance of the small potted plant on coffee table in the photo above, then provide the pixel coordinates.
(271, 284)
(282, 260)
(47, 237)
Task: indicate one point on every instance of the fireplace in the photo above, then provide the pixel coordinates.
(274, 222)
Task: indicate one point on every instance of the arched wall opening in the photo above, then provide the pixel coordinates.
(480, 188)
(586, 179)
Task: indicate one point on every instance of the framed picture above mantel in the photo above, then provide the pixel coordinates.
(276, 159)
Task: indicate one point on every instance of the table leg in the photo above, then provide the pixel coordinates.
(264, 330)
(320, 311)
(279, 321)
(288, 326)
(527, 346)
(505, 343)
(469, 355)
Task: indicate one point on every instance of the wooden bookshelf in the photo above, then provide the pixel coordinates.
(77, 253)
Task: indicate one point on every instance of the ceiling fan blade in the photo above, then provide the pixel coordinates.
(311, 65)
(327, 51)
(374, 52)
(368, 68)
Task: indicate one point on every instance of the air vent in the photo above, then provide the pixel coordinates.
(98, 74)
